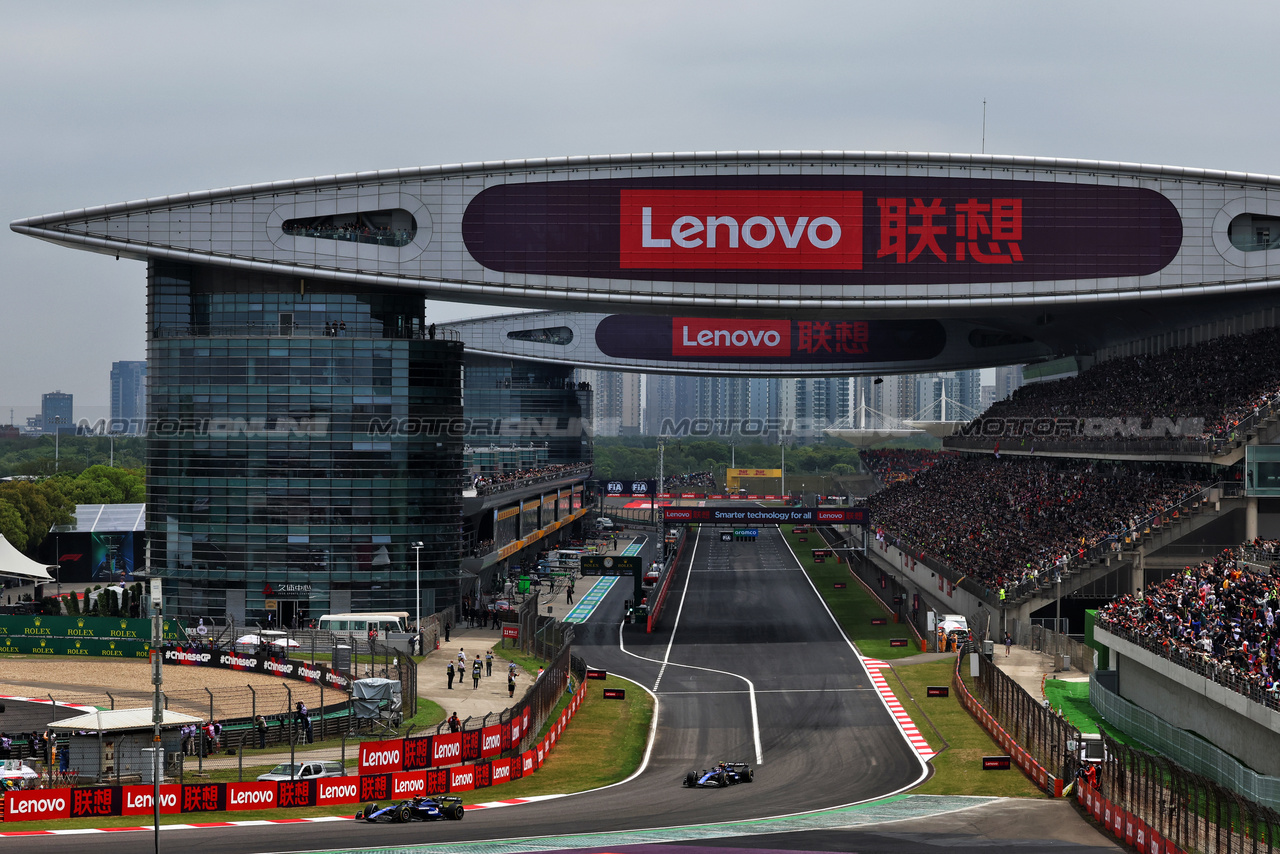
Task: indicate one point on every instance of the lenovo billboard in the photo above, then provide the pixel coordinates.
(846, 230)
(701, 339)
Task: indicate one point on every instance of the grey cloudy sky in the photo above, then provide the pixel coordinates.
(106, 102)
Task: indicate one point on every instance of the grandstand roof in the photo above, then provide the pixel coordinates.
(91, 518)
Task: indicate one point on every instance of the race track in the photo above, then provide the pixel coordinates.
(748, 666)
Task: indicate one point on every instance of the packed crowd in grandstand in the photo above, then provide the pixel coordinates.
(890, 465)
(485, 484)
(1004, 521)
(1222, 381)
(1222, 613)
(686, 481)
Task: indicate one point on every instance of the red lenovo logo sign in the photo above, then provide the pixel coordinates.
(691, 336)
(741, 229)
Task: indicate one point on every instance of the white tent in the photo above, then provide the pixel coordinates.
(14, 562)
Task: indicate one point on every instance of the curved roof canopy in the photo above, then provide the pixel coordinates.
(793, 233)
(15, 563)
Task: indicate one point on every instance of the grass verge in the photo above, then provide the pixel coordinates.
(958, 765)
(1072, 699)
(851, 605)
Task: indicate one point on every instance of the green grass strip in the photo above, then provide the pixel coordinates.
(852, 606)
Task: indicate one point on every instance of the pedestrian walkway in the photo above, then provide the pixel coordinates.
(1029, 668)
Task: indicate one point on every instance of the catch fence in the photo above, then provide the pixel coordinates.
(1191, 811)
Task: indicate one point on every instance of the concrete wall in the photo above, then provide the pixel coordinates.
(1248, 731)
(916, 577)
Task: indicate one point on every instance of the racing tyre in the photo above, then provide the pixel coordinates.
(456, 813)
(402, 813)
(369, 809)
(720, 778)
(690, 780)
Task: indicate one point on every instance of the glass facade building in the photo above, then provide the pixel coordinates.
(514, 402)
(299, 446)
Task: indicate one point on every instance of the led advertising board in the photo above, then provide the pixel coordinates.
(756, 515)
(821, 229)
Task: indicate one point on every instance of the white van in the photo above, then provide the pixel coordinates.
(356, 626)
(955, 626)
(604, 523)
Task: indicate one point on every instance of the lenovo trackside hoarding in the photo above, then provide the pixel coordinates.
(715, 340)
(822, 229)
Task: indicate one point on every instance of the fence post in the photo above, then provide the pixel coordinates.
(111, 698)
(254, 703)
(323, 720)
(210, 693)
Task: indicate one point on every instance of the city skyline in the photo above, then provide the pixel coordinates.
(1072, 89)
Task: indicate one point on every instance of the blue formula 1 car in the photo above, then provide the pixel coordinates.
(414, 809)
(724, 774)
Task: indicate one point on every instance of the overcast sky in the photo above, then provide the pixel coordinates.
(107, 102)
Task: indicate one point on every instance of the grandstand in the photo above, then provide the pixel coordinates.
(1121, 490)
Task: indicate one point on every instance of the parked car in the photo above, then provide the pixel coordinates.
(304, 771)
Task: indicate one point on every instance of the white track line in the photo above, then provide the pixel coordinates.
(873, 673)
(666, 660)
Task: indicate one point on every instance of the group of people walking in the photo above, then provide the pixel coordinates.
(478, 669)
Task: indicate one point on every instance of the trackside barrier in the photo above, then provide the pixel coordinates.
(655, 612)
(386, 784)
(1124, 825)
(1038, 774)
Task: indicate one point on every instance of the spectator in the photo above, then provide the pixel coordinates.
(1032, 512)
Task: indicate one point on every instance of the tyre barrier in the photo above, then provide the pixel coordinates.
(398, 768)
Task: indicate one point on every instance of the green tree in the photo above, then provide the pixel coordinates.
(11, 525)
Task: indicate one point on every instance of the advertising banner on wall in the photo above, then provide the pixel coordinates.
(112, 628)
(755, 515)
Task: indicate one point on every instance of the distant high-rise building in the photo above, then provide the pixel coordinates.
(1008, 380)
(619, 403)
(128, 397)
(56, 412)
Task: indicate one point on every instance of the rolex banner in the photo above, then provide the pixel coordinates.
(90, 647)
(29, 627)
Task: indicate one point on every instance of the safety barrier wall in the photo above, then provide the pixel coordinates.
(673, 567)
(1041, 776)
(1124, 825)
(382, 784)
(286, 668)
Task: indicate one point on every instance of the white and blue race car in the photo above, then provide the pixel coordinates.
(722, 775)
(414, 809)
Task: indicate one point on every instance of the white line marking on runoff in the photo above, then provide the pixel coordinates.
(666, 659)
(768, 691)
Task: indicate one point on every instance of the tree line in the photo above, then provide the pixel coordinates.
(30, 508)
(41, 456)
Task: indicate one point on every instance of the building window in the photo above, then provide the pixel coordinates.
(381, 228)
(553, 335)
(1254, 232)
